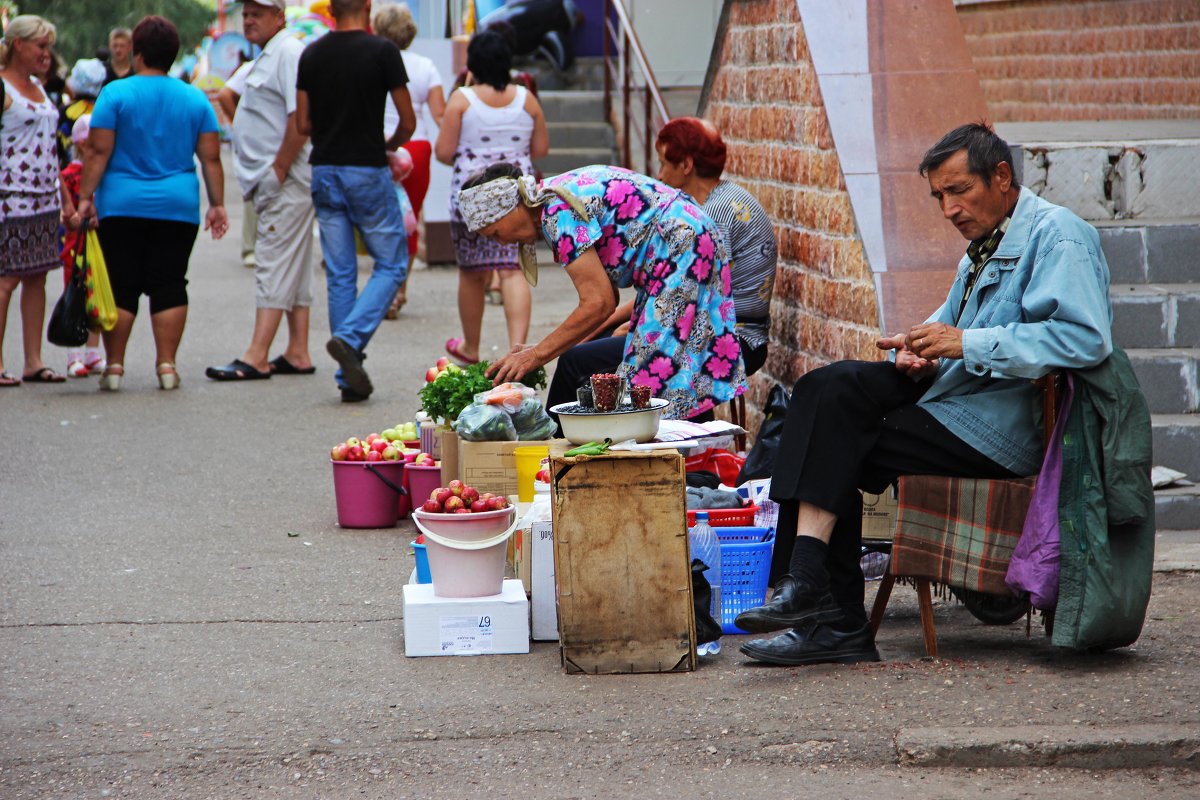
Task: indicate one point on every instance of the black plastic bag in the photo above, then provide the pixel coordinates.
(760, 461)
(68, 325)
(707, 628)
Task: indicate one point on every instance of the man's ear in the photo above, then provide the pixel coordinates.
(1003, 176)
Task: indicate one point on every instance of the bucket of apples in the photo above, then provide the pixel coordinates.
(466, 539)
(368, 481)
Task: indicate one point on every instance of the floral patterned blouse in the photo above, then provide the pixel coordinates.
(658, 239)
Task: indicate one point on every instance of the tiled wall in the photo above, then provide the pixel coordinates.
(765, 98)
(1086, 59)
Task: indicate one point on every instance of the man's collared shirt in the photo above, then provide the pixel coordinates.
(261, 119)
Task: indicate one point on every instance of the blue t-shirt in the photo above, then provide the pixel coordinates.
(152, 171)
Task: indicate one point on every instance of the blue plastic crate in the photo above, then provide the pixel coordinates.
(745, 568)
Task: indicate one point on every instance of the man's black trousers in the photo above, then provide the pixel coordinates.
(855, 425)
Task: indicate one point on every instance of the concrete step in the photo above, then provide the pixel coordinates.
(1169, 378)
(581, 134)
(1159, 252)
(566, 158)
(572, 106)
(1156, 315)
(1177, 443)
(1176, 509)
(585, 74)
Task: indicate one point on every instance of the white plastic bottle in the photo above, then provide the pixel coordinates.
(704, 545)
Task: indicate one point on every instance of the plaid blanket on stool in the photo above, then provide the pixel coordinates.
(959, 531)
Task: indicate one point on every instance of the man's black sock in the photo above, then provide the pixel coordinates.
(808, 561)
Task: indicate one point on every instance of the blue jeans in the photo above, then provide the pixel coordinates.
(346, 198)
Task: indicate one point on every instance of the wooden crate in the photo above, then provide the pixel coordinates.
(621, 563)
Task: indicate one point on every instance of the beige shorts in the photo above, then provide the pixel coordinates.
(283, 270)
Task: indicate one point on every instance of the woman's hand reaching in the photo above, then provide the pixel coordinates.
(518, 363)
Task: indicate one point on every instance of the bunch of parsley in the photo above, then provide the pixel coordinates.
(446, 397)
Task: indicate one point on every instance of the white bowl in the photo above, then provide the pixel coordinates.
(639, 424)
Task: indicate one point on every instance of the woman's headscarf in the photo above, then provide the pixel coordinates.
(485, 203)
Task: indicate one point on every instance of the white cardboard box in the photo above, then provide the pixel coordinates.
(465, 626)
(541, 582)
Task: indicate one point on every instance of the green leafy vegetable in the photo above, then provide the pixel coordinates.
(446, 397)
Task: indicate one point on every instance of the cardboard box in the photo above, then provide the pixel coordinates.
(490, 466)
(465, 626)
(544, 602)
(621, 563)
(879, 514)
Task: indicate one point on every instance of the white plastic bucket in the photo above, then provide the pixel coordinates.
(466, 554)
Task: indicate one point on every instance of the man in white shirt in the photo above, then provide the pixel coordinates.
(273, 172)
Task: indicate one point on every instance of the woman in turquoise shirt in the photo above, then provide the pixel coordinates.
(145, 130)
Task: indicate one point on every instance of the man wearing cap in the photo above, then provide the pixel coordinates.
(274, 174)
(343, 80)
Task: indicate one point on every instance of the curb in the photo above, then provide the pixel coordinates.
(1081, 746)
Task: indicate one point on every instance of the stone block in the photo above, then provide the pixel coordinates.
(1140, 319)
(1125, 252)
(1168, 379)
(1187, 321)
(1076, 178)
(1163, 194)
(1176, 440)
(1172, 253)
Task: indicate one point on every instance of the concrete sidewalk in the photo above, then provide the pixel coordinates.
(180, 616)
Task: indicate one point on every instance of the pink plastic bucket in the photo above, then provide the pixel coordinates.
(364, 498)
(467, 551)
(421, 482)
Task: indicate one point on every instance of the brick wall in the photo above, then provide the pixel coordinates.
(1086, 59)
(765, 99)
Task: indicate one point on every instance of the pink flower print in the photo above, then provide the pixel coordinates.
(610, 251)
(726, 346)
(617, 191)
(701, 269)
(632, 206)
(684, 324)
(581, 236)
(718, 367)
(705, 406)
(653, 336)
(556, 208)
(644, 378)
(726, 284)
(728, 311)
(662, 367)
(705, 246)
(566, 247)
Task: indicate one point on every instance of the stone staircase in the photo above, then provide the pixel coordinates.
(574, 106)
(1128, 180)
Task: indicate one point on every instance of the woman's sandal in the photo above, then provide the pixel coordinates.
(7, 379)
(397, 303)
(168, 377)
(110, 381)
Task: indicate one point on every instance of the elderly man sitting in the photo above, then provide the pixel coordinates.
(1030, 296)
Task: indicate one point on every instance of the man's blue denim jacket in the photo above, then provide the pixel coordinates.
(1041, 303)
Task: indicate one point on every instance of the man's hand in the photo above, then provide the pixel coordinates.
(936, 340)
(907, 361)
(518, 363)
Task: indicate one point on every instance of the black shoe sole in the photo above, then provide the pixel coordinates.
(760, 622)
(351, 363)
(818, 657)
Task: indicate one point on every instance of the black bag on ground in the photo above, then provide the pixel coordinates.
(760, 461)
(707, 628)
(68, 325)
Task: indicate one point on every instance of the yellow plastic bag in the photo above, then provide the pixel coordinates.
(101, 306)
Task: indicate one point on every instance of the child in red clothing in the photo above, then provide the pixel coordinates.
(80, 363)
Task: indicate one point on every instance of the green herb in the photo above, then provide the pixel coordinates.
(446, 397)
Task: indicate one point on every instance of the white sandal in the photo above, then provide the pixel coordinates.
(110, 381)
(168, 376)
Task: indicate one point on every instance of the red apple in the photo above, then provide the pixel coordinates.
(497, 503)
(339, 452)
(442, 495)
(371, 437)
(470, 494)
(356, 452)
(479, 505)
(443, 362)
(353, 441)
(374, 455)
(431, 374)
(456, 486)
(432, 507)
(390, 454)
(453, 503)
(462, 511)
(424, 460)
(378, 445)
(543, 476)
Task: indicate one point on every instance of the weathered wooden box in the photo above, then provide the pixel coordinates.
(621, 563)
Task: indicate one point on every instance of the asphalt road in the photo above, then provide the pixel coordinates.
(180, 616)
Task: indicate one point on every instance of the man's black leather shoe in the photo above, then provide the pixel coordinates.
(793, 604)
(814, 644)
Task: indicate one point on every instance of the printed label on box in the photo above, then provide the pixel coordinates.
(463, 635)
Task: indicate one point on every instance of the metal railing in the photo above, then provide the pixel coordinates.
(621, 51)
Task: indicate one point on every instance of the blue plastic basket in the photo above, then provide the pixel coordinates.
(745, 568)
(422, 562)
